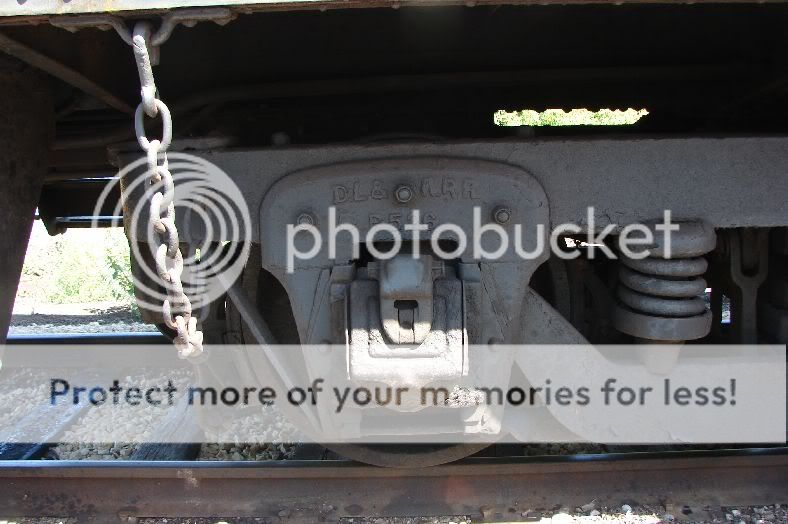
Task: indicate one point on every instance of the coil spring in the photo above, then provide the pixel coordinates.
(663, 287)
(662, 297)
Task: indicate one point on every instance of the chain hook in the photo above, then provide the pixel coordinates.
(140, 38)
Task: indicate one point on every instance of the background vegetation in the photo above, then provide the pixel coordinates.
(575, 117)
(82, 265)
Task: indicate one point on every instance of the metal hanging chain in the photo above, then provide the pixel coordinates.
(177, 308)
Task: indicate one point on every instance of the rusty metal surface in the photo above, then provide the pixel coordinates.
(74, 7)
(62, 201)
(63, 72)
(310, 491)
(26, 128)
(160, 189)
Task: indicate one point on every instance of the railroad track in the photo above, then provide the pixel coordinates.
(306, 489)
(485, 489)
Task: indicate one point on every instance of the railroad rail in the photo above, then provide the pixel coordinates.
(497, 485)
(484, 489)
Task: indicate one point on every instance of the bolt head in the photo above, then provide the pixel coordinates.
(502, 215)
(403, 194)
(306, 219)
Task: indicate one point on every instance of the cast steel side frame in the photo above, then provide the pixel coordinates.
(727, 182)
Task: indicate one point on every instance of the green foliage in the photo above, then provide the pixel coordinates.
(575, 117)
(80, 266)
(117, 264)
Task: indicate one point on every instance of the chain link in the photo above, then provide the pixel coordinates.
(177, 308)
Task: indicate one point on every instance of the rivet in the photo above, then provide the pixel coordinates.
(306, 219)
(403, 194)
(502, 214)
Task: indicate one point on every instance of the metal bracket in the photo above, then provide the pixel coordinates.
(383, 339)
(406, 298)
(744, 268)
(187, 17)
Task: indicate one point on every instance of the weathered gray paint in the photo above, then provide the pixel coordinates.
(728, 182)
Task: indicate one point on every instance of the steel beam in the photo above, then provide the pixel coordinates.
(26, 129)
(728, 182)
(63, 72)
(129, 7)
